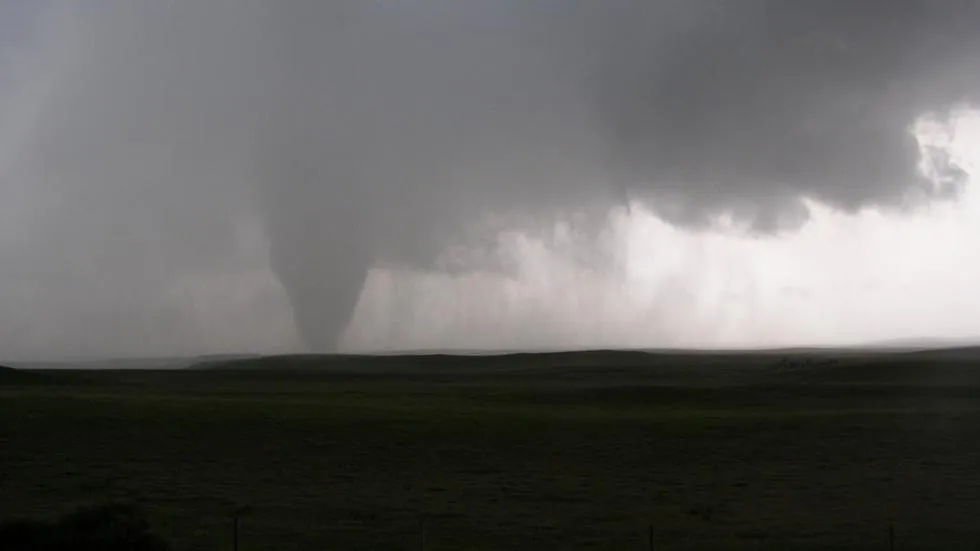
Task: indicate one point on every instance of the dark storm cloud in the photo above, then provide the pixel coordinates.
(365, 132)
(774, 100)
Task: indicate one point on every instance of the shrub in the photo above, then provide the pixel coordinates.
(107, 527)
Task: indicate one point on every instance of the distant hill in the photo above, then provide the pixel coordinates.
(567, 358)
(11, 375)
(127, 364)
(599, 362)
(922, 344)
(915, 367)
(319, 361)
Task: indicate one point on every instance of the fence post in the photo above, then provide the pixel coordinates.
(236, 516)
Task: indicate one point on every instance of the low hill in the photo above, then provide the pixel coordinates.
(959, 366)
(11, 375)
(605, 361)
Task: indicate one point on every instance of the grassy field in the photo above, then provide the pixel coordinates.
(538, 452)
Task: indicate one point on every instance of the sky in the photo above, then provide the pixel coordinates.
(182, 177)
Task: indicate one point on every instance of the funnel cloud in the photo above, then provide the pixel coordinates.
(146, 140)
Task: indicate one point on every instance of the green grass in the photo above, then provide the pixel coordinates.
(530, 452)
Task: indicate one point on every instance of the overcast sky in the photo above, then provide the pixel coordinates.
(187, 176)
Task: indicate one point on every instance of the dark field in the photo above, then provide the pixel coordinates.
(536, 452)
